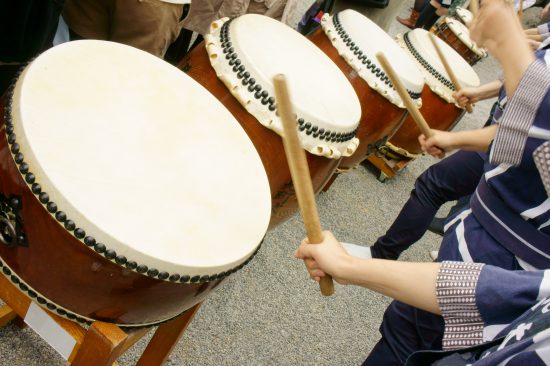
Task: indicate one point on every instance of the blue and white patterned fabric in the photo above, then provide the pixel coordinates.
(508, 221)
(471, 295)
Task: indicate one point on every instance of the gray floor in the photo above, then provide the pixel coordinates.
(270, 313)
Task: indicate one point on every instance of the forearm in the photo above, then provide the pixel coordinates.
(411, 283)
(473, 140)
(489, 90)
(514, 67)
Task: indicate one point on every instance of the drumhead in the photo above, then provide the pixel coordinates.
(463, 33)
(142, 158)
(358, 40)
(418, 44)
(248, 51)
(464, 15)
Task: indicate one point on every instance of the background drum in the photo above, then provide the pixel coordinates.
(438, 105)
(457, 35)
(116, 205)
(242, 55)
(351, 40)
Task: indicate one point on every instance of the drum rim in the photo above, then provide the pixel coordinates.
(240, 81)
(364, 63)
(145, 267)
(436, 81)
(462, 33)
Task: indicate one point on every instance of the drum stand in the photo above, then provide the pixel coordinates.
(387, 167)
(99, 345)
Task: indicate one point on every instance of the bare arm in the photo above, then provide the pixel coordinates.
(412, 283)
(472, 140)
(498, 29)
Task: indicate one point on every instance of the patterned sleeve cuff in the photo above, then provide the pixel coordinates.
(543, 28)
(519, 115)
(455, 291)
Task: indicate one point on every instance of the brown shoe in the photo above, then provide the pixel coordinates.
(411, 21)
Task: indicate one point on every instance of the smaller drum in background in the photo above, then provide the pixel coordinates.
(122, 206)
(438, 105)
(457, 35)
(464, 15)
(241, 58)
(352, 41)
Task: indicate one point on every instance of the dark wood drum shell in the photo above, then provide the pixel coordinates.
(268, 144)
(65, 272)
(444, 32)
(438, 113)
(380, 118)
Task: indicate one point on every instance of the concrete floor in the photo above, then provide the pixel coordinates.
(271, 313)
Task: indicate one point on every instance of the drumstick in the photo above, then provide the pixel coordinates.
(448, 68)
(474, 7)
(411, 107)
(299, 171)
(520, 12)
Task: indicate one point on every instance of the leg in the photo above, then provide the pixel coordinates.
(411, 21)
(405, 330)
(448, 180)
(427, 17)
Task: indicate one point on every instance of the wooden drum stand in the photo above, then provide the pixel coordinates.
(99, 345)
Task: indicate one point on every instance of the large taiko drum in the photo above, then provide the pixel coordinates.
(241, 57)
(456, 34)
(118, 204)
(352, 41)
(438, 105)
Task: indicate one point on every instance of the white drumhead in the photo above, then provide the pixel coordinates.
(320, 93)
(142, 158)
(358, 40)
(418, 44)
(463, 33)
(464, 15)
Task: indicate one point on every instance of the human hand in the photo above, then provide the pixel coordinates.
(441, 11)
(438, 143)
(534, 44)
(545, 10)
(467, 96)
(327, 257)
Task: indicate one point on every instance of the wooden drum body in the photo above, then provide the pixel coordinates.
(98, 216)
(457, 35)
(351, 41)
(239, 73)
(438, 105)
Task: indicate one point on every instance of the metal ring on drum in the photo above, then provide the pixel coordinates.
(237, 62)
(352, 40)
(127, 208)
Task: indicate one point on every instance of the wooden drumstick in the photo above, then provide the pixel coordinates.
(299, 171)
(448, 68)
(474, 7)
(520, 12)
(411, 107)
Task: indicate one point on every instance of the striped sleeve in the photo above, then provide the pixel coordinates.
(519, 115)
(544, 29)
(456, 296)
(541, 156)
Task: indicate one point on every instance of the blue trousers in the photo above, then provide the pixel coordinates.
(406, 329)
(448, 180)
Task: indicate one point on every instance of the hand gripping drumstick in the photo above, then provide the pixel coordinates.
(448, 68)
(411, 107)
(299, 171)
